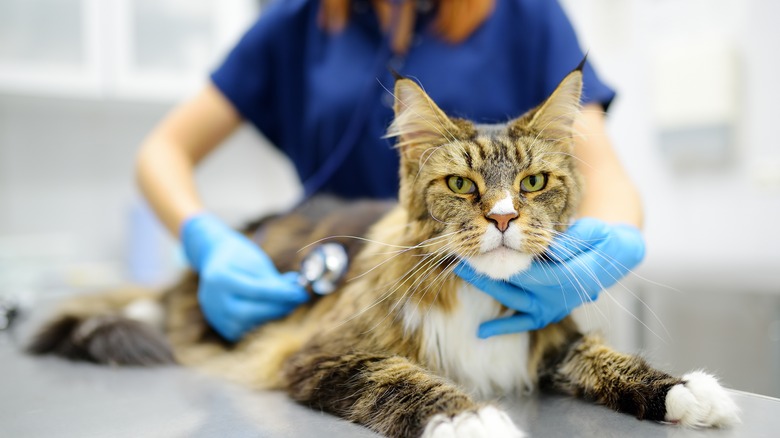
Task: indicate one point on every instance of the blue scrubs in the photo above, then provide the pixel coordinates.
(323, 98)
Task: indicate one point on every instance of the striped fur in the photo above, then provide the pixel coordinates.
(395, 349)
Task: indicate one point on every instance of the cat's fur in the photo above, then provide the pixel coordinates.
(395, 348)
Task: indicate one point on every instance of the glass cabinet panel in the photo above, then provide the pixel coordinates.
(166, 48)
(49, 46)
(173, 35)
(126, 49)
(42, 32)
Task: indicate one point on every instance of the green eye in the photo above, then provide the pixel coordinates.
(460, 185)
(533, 183)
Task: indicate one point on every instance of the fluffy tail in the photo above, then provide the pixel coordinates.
(119, 328)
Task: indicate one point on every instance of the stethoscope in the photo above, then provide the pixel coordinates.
(324, 267)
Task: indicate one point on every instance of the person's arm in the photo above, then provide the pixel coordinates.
(168, 156)
(610, 194)
(239, 287)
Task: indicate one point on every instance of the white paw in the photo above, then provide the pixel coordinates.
(700, 402)
(147, 311)
(488, 422)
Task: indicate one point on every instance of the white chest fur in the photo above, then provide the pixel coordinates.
(484, 367)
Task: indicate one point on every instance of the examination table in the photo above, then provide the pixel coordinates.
(51, 397)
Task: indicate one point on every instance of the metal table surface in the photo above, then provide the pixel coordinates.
(50, 397)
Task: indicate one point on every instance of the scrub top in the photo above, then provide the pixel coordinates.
(324, 98)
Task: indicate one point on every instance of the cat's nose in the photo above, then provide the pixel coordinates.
(502, 220)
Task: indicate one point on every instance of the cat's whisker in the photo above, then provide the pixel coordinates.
(567, 154)
(441, 275)
(584, 297)
(426, 268)
(384, 296)
(391, 290)
(397, 133)
(439, 220)
(324, 239)
(658, 336)
(570, 257)
(429, 242)
(630, 313)
(436, 257)
(422, 271)
(619, 264)
(573, 280)
(618, 280)
(445, 274)
(535, 142)
(436, 113)
(424, 157)
(447, 270)
(580, 288)
(577, 112)
(425, 243)
(392, 287)
(444, 271)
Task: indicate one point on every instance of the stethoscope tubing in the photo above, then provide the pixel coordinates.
(357, 123)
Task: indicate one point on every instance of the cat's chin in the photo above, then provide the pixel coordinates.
(500, 263)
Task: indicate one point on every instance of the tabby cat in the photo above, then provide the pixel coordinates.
(395, 349)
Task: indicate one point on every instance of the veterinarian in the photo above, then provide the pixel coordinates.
(313, 76)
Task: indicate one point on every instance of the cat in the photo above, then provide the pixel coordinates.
(395, 348)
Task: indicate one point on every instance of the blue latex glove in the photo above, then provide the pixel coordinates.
(589, 257)
(240, 287)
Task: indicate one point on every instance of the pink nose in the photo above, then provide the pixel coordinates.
(502, 220)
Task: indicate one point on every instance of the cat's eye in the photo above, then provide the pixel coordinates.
(460, 185)
(533, 183)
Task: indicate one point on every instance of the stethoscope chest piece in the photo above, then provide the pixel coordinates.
(323, 268)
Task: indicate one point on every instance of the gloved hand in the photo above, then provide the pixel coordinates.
(589, 257)
(240, 287)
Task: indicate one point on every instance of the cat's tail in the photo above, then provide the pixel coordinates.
(122, 327)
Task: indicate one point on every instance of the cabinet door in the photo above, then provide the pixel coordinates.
(166, 48)
(50, 47)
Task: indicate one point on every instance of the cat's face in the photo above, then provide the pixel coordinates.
(494, 195)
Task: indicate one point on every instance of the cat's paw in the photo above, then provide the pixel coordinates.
(700, 402)
(487, 422)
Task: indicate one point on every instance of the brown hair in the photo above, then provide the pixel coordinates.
(455, 20)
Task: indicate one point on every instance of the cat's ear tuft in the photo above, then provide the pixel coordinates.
(418, 123)
(397, 76)
(555, 117)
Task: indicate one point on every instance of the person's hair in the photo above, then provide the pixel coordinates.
(455, 20)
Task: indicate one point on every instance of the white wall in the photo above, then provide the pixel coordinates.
(698, 217)
(711, 280)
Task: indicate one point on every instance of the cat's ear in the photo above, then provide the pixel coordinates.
(555, 117)
(418, 123)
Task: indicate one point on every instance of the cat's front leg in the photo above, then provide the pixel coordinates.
(392, 396)
(628, 384)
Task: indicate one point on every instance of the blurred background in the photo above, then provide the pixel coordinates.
(83, 81)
